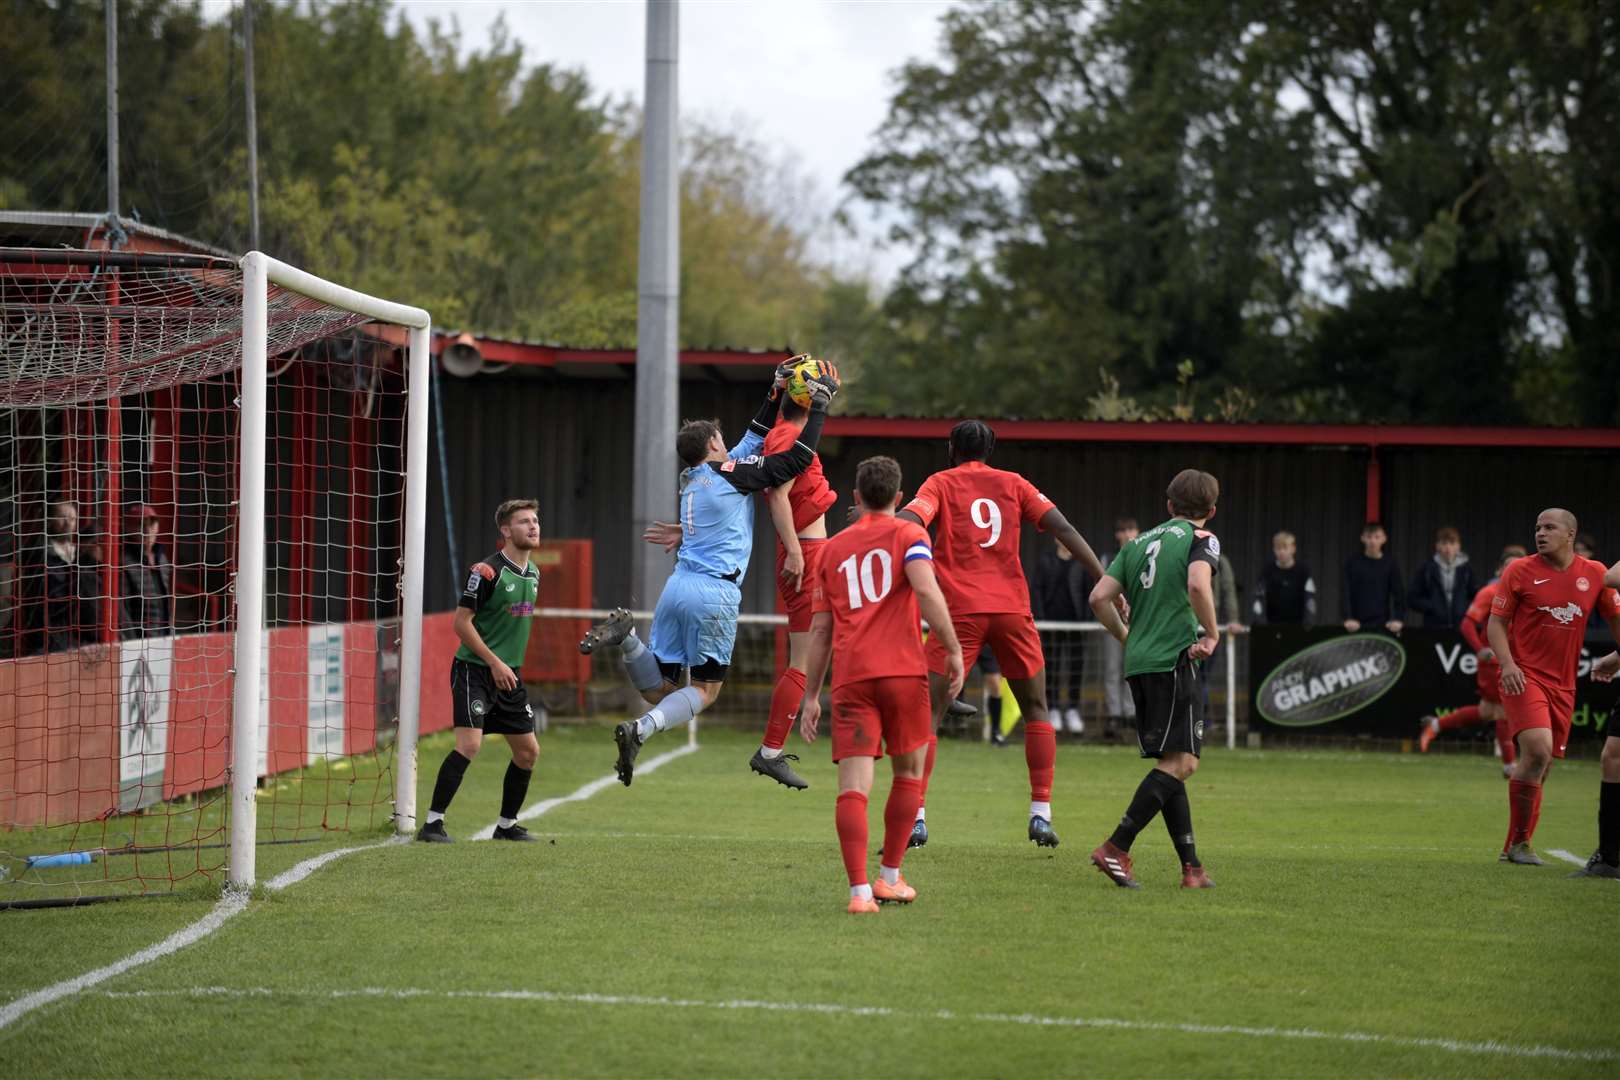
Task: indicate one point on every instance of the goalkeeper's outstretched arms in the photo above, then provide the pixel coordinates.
(755, 473)
(753, 439)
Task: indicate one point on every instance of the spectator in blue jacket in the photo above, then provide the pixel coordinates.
(1444, 585)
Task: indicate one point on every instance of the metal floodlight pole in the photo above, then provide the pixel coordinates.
(658, 301)
(252, 125)
(110, 10)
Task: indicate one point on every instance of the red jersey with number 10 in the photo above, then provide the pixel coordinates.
(811, 495)
(877, 628)
(1546, 609)
(978, 513)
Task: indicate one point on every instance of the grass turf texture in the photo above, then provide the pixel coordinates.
(1357, 894)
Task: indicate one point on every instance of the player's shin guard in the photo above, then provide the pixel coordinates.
(1152, 793)
(928, 769)
(640, 664)
(905, 795)
(514, 787)
(676, 710)
(1504, 741)
(784, 704)
(444, 788)
(1467, 716)
(1040, 754)
(850, 816)
(1178, 821)
(1521, 812)
(1609, 823)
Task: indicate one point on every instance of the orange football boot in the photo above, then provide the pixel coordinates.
(898, 893)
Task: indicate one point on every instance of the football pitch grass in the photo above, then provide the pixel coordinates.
(694, 925)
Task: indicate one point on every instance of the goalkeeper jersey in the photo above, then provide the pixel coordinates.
(501, 596)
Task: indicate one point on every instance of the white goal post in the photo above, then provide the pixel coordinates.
(259, 273)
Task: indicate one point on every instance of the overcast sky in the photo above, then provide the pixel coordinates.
(812, 77)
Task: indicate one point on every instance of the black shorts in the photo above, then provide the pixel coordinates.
(1169, 710)
(478, 703)
(708, 671)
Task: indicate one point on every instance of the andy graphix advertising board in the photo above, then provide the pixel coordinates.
(1321, 680)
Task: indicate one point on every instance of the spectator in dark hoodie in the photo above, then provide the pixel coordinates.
(1373, 595)
(1286, 594)
(1444, 585)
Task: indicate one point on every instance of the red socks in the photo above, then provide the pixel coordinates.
(851, 818)
(785, 701)
(1504, 741)
(1040, 754)
(1467, 716)
(928, 768)
(1524, 806)
(899, 813)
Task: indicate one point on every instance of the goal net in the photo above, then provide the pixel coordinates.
(211, 501)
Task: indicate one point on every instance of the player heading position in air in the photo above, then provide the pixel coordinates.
(695, 622)
(1538, 619)
(799, 512)
(876, 577)
(1168, 574)
(487, 694)
(1605, 861)
(977, 512)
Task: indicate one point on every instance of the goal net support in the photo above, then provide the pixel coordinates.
(212, 501)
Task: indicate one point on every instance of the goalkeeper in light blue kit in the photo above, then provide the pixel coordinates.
(695, 622)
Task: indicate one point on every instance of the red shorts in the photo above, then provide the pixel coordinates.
(871, 714)
(1012, 638)
(797, 602)
(1541, 707)
(1489, 682)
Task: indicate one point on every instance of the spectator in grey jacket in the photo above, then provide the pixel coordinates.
(1444, 585)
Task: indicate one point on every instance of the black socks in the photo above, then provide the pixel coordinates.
(1156, 789)
(513, 788)
(1609, 823)
(450, 774)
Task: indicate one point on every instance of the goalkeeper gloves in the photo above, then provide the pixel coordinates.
(824, 386)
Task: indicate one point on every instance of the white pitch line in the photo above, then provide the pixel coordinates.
(233, 904)
(547, 805)
(1454, 1046)
(1567, 856)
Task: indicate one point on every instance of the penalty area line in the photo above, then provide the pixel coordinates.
(233, 904)
(1406, 1042)
(1567, 856)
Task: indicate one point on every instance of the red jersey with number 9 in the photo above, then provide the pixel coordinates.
(1546, 610)
(978, 514)
(877, 628)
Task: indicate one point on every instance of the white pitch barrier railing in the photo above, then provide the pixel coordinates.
(1092, 637)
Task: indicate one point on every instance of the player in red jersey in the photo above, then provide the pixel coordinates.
(977, 513)
(1538, 619)
(1487, 677)
(798, 510)
(874, 578)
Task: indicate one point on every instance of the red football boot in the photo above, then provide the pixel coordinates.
(1193, 877)
(1116, 864)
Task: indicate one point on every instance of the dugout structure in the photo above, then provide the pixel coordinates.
(210, 566)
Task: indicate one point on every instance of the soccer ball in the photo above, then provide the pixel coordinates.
(798, 384)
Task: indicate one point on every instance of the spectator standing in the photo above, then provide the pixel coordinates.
(1373, 595)
(148, 579)
(1444, 585)
(67, 618)
(1061, 589)
(1118, 705)
(1586, 546)
(1285, 594)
